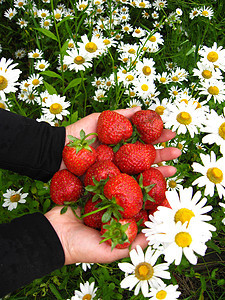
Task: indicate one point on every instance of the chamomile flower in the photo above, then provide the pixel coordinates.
(214, 55)
(214, 89)
(87, 291)
(206, 12)
(12, 198)
(178, 75)
(110, 42)
(82, 4)
(93, 48)
(165, 292)
(146, 68)
(184, 118)
(58, 14)
(85, 266)
(20, 3)
(134, 103)
(194, 13)
(206, 72)
(159, 4)
(155, 15)
(46, 23)
(10, 13)
(182, 145)
(175, 91)
(8, 76)
(143, 272)
(35, 54)
(154, 40)
(35, 80)
(20, 53)
(214, 127)
(179, 11)
(163, 78)
(145, 15)
(174, 183)
(55, 107)
(43, 13)
(44, 118)
(99, 95)
(212, 172)
(77, 60)
(22, 23)
(160, 106)
(144, 88)
(4, 104)
(139, 32)
(41, 65)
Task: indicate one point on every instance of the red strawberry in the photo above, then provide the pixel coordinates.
(154, 209)
(135, 158)
(142, 215)
(127, 194)
(100, 171)
(78, 155)
(154, 177)
(119, 234)
(65, 187)
(149, 125)
(113, 127)
(94, 220)
(104, 152)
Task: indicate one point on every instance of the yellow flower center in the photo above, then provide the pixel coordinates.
(71, 45)
(43, 15)
(57, 16)
(124, 71)
(15, 198)
(11, 14)
(161, 295)
(55, 108)
(180, 146)
(184, 100)
(160, 110)
(142, 4)
(98, 82)
(152, 39)
(205, 13)
(162, 79)
(82, 6)
(91, 47)
(198, 104)
(175, 78)
(31, 97)
(172, 184)
(175, 93)
(212, 56)
(144, 271)
(183, 215)
(46, 23)
(3, 82)
(79, 60)
(132, 51)
(195, 13)
(132, 94)
(215, 175)
(126, 28)
(146, 70)
(35, 55)
(2, 105)
(183, 239)
(106, 42)
(184, 118)
(87, 297)
(206, 74)
(35, 81)
(20, 4)
(125, 59)
(144, 87)
(222, 130)
(213, 90)
(41, 66)
(130, 77)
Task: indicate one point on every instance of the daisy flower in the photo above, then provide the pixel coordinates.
(93, 48)
(178, 75)
(43, 13)
(155, 15)
(163, 78)
(87, 291)
(143, 271)
(45, 24)
(8, 76)
(145, 68)
(77, 60)
(55, 107)
(173, 183)
(214, 55)
(194, 13)
(35, 80)
(10, 13)
(206, 12)
(20, 3)
(160, 106)
(12, 198)
(165, 292)
(144, 88)
(214, 126)
(22, 23)
(41, 65)
(213, 89)
(35, 54)
(134, 103)
(139, 32)
(20, 53)
(58, 14)
(46, 119)
(85, 266)
(143, 4)
(184, 118)
(145, 15)
(159, 4)
(212, 171)
(179, 144)
(175, 91)
(82, 4)
(99, 95)
(206, 71)
(179, 11)
(154, 40)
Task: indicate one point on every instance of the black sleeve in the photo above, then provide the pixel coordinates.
(30, 249)
(29, 147)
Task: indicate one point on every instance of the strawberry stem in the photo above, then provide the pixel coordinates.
(95, 211)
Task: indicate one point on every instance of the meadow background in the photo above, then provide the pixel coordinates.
(46, 39)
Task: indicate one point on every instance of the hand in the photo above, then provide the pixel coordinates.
(89, 125)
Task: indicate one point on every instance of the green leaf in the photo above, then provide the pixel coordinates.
(55, 291)
(51, 90)
(63, 210)
(51, 74)
(66, 19)
(73, 83)
(47, 33)
(106, 216)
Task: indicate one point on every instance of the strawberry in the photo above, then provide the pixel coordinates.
(135, 158)
(154, 177)
(100, 171)
(154, 209)
(142, 217)
(65, 187)
(104, 152)
(78, 155)
(126, 192)
(93, 220)
(119, 234)
(113, 127)
(148, 124)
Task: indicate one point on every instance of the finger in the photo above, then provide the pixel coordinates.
(165, 154)
(167, 171)
(166, 135)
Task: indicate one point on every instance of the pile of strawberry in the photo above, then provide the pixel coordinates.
(116, 182)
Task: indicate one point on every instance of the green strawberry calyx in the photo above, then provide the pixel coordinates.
(145, 190)
(116, 232)
(82, 142)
